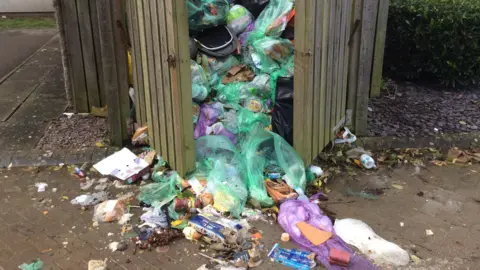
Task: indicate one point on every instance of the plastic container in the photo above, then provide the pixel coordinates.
(367, 161)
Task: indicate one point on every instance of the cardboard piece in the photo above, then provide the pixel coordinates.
(314, 235)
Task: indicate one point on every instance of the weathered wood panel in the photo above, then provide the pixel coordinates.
(369, 21)
(380, 35)
(88, 53)
(74, 55)
(321, 67)
(162, 49)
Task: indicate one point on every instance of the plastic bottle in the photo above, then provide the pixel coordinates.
(367, 161)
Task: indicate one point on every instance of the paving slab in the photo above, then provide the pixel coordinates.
(17, 45)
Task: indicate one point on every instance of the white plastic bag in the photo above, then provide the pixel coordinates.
(357, 233)
(109, 211)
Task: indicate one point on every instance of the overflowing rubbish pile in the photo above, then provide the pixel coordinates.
(246, 169)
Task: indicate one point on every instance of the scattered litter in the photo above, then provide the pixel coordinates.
(402, 224)
(41, 187)
(125, 219)
(54, 190)
(285, 237)
(97, 265)
(429, 232)
(339, 257)
(110, 234)
(314, 235)
(37, 265)
(292, 258)
(109, 211)
(87, 184)
(123, 164)
(140, 137)
(113, 246)
(100, 111)
(90, 199)
(65, 244)
(359, 234)
(122, 246)
(345, 136)
(68, 115)
(415, 259)
(395, 186)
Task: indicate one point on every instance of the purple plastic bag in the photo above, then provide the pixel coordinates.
(244, 35)
(209, 114)
(294, 211)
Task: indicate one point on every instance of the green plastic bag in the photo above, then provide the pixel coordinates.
(216, 67)
(269, 54)
(248, 121)
(200, 88)
(273, 19)
(218, 157)
(37, 265)
(163, 191)
(203, 14)
(264, 149)
(229, 93)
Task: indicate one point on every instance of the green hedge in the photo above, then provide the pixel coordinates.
(434, 40)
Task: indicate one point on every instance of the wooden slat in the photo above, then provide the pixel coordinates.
(107, 38)
(151, 92)
(381, 33)
(309, 75)
(145, 99)
(120, 45)
(157, 100)
(330, 71)
(300, 84)
(354, 45)
(137, 65)
(348, 18)
(185, 87)
(98, 51)
(88, 53)
(336, 67)
(77, 71)
(318, 142)
(341, 63)
(365, 65)
(166, 99)
(324, 71)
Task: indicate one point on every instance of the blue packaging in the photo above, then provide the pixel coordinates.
(204, 226)
(292, 258)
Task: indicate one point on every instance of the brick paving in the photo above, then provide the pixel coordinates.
(65, 239)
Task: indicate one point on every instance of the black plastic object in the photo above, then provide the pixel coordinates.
(193, 48)
(217, 41)
(254, 6)
(282, 117)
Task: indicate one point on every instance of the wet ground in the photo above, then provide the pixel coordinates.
(445, 200)
(410, 110)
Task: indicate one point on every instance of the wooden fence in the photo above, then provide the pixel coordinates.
(337, 49)
(162, 79)
(96, 56)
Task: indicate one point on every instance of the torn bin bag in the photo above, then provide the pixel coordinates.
(282, 117)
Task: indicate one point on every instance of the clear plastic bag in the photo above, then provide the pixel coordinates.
(238, 19)
(264, 149)
(269, 54)
(219, 159)
(216, 67)
(109, 211)
(159, 192)
(203, 14)
(273, 19)
(200, 88)
(247, 121)
(229, 93)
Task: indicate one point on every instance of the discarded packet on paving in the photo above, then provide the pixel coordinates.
(293, 258)
(204, 226)
(122, 164)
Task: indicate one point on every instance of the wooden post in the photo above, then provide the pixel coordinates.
(381, 33)
(369, 21)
